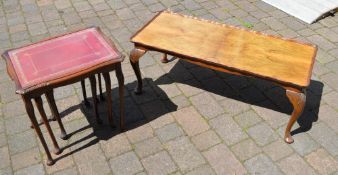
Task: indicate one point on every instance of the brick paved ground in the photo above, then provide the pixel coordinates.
(190, 120)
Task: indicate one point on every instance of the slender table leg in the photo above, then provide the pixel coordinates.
(297, 100)
(120, 79)
(30, 111)
(165, 58)
(55, 112)
(84, 93)
(109, 98)
(39, 105)
(93, 87)
(135, 55)
(100, 87)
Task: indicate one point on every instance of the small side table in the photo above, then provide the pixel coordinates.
(38, 68)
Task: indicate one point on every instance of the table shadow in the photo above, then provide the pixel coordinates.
(249, 90)
(139, 110)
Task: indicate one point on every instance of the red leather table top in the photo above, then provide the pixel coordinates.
(61, 56)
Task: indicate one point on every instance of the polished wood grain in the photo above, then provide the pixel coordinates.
(229, 49)
(250, 52)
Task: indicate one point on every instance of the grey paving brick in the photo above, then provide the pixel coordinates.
(148, 147)
(3, 139)
(262, 134)
(185, 154)
(205, 140)
(92, 161)
(35, 169)
(117, 145)
(322, 161)
(234, 107)
(190, 4)
(69, 171)
(321, 42)
(274, 118)
(37, 29)
(295, 164)
(127, 163)
(181, 101)
(274, 23)
(333, 66)
(206, 105)
(202, 170)
(17, 124)
(246, 149)
(247, 119)
(169, 132)
(21, 142)
(223, 161)
(261, 164)
(320, 133)
(4, 157)
(331, 79)
(62, 4)
(328, 115)
(162, 121)
(159, 164)
(283, 150)
(25, 159)
(331, 99)
(125, 13)
(228, 129)
(6, 171)
(191, 121)
(141, 133)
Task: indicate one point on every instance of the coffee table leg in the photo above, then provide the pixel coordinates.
(39, 105)
(135, 55)
(100, 87)
(84, 93)
(165, 58)
(93, 87)
(297, 100)
(55, 112)
(31, 115)
(109, 98)
(120, 79)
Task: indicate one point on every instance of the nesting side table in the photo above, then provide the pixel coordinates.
(38, 68)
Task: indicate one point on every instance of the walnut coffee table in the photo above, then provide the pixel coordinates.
(39, 68)
(229, 49)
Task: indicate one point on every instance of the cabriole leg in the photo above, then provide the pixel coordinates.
(135, 55)
(120, 79)
(297, 100)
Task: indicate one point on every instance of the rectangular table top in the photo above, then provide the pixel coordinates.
(61, 56)
(264, 56)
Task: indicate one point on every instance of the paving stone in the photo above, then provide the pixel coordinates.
(190, 4)
(228, 129)
(4, 157)
(116, 145)
(234, 107)
(329, 116)
(35, 169)
(37, 29)
(223, 161)
(331, 79)
(62, 164)
(141, 133)
(322, 161)
(331, 99)
(125, 14)
(11, 109)
(283, 150)
(25, 159)
(6, 171)
(62, 4)
(321, 42)
(21, 142)
(169, 132)
(184, 154)
(262, 134)
(190, 88)
(295, 165)
(202, 170)
(274, 118)
(205, 140)
(69, 171)
(206, 105)
(321, 132)
(17, 124)
(162, 121)
(159, 164)
(274, 23)
(127, 163)
(191, 121)
(261, 164)
(246, 149)
(92, 161)
(323, 57)
(3, 139)
(181, 101)
(148, 147)
(247, 119)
